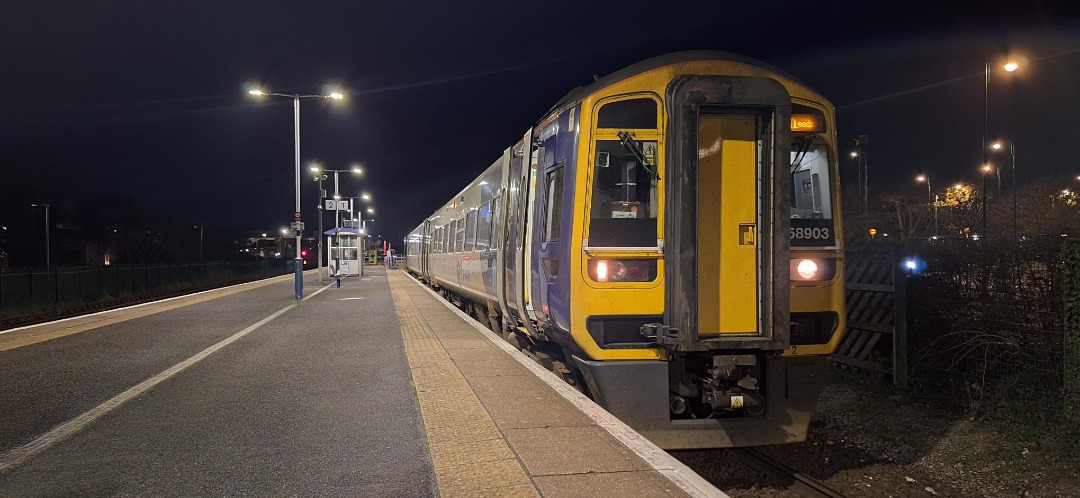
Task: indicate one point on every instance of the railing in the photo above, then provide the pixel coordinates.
(36, 290)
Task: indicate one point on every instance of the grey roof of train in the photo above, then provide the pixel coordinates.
(661, 61)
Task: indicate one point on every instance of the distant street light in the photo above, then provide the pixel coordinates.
(299, 262)
(985, 171)
(47, 252)
(1009, 67)
(1012, 153)
(926, 178)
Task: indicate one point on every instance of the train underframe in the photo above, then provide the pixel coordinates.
(701, 399)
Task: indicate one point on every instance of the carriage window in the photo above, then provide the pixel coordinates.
(624, 196)
(553, 221)
(633, 113)
(483, 227)
(470, 231)
(459, 237)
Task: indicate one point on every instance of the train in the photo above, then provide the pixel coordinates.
(667, 239)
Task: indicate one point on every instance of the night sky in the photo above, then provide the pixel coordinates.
(146, 99)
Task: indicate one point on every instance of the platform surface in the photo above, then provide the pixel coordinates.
(374, 388)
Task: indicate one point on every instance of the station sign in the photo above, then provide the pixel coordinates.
(336, 205)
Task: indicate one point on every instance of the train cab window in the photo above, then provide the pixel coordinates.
(632, 113)
(470, 231)
(625, 200)
(483, 227)
(810, 182)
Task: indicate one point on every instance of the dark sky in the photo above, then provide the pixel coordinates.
(146, 98)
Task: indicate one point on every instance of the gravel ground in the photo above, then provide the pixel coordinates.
(865, 442)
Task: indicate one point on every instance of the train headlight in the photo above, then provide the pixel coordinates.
(812, 270)
(622, 270)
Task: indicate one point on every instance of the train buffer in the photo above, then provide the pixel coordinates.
(373, 388)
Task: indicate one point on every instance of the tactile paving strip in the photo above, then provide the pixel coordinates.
(469, 453)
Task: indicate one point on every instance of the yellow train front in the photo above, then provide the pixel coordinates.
(670, 235)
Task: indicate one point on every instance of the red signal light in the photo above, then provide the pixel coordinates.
(303, 253)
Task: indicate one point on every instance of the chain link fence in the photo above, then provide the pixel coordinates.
(987, 325)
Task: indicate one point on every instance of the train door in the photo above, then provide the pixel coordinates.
(726, 247)
(727, 250)
(543, 229)
(519, 193)
(425, 250)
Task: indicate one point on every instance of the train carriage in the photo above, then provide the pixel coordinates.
(667, 238)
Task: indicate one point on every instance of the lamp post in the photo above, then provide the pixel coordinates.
(926, 178)
(318, 170)
(1008, 67)
(319, 177)
(1012, 153)
(47, 252)
(985, 171)
(200, 241)
(299, 263)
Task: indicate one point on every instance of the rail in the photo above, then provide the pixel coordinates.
(796, 481)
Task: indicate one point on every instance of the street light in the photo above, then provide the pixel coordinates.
(985, 171)
(997, 146)
(299, 263)
(320, 175)
(47, 252)
(929, 199)
(1008, 67)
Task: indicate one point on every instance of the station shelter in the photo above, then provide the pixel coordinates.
(344, 256)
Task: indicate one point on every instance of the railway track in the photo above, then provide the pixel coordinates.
(796, 481)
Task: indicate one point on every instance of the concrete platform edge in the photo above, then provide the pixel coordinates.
(679, 474)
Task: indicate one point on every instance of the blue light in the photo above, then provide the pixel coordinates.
(914, 265)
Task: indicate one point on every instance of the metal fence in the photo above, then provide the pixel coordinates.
(987, 325)
(984, 321)
(32, 291)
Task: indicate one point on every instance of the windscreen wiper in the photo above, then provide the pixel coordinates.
(628, 142)
(804, 147)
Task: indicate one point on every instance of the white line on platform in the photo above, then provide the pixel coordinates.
(349, 298)
(58, 433)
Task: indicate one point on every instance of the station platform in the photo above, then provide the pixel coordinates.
(491, 421)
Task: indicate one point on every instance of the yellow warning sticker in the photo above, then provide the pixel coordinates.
(649, 149)
(736, 402)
